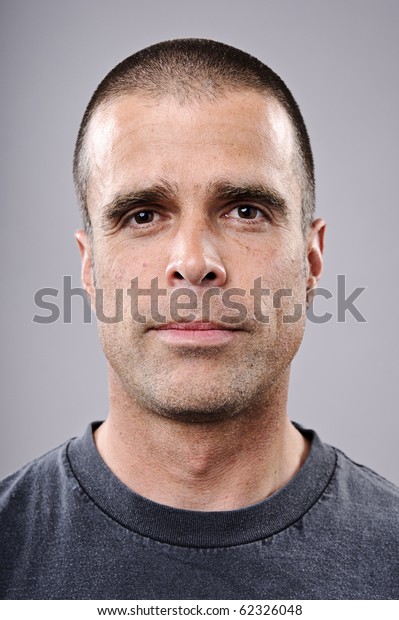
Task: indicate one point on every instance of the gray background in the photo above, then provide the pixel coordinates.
(340, 61)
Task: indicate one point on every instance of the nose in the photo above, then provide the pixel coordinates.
(195, 258)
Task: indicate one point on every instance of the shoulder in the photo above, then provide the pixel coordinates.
(37, 481)
(364, 499)
(361, 482)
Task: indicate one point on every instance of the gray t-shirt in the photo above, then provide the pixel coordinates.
(69, 529)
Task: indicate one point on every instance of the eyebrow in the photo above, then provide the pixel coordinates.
(122, 203)
(256, 192)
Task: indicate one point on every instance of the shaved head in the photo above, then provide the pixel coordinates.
(190, 71)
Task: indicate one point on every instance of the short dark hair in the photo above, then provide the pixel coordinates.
(190, 69)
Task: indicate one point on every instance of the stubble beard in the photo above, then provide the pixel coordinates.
(199, 386)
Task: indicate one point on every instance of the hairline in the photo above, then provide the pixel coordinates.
(83, 164)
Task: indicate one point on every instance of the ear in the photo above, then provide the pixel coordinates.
(87, 273)
(315, 248)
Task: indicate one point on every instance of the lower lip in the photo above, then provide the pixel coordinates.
(196, 336)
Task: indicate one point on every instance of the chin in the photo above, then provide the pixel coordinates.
(196, 415)
(209, 403)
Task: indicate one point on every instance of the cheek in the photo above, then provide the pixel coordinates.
(117, 265)
(282, 272)
(121, 272)
(280, 265)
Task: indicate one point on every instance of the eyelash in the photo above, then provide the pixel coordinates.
(126, 221)
(264, 216)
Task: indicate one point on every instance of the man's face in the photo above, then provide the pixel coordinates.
(200, 196)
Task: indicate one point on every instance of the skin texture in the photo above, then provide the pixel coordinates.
(198, 417)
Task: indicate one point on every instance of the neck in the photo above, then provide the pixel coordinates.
(221, 465)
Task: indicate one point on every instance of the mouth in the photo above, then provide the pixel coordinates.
(197, 333)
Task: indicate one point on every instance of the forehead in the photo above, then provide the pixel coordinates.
(240, 137)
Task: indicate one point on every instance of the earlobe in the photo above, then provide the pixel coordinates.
(87, 275)
(315, 248)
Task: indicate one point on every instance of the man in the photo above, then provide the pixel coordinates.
(194, 173)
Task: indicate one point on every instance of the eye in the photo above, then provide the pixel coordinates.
(247, 212)
(143, 217)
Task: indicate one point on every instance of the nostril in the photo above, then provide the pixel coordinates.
(195, 273)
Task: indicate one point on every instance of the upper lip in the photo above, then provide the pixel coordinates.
(196, 326)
